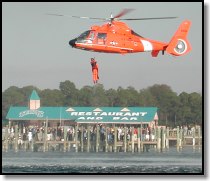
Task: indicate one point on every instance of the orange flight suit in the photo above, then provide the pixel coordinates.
(94, 71)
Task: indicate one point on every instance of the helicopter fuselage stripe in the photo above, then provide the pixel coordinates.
(147, 45)
(104, 46)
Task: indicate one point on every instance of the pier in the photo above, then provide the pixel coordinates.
(99, 138)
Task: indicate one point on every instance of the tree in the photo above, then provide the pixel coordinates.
(146, 99)
(86, 96)
(52, 97)
(167, 102)
(70, 92)
(111, 95)
(99, 96)
(173, 110)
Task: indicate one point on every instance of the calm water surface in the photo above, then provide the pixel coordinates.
(170, 162)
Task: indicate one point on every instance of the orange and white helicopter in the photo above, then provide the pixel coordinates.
(117, 37)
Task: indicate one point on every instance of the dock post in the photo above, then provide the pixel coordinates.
(45, 136)
(115, 139)
(6, 138)
(139, 145)
(181, 138)
(167, 138)
(64, 139)
(69, 145)
(76, 138)
(177, 138)
(26, 144)
(125, 139)
(155, 137)
(82, 139)
(163, 136)
(199, 137)
(88, 138)
(158, 140)
(193, 134)
(106, 140)
(16, 138)
(32, 144)
(97, 138)
(132, 139)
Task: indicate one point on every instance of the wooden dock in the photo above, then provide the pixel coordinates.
(161, 139)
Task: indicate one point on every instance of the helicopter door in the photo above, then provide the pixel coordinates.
(101, 38)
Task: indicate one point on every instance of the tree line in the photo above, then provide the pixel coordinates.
(173, 109)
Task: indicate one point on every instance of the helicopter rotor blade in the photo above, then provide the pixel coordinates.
(58, 15)
(123, 12)
(82, 17)
(148, 18)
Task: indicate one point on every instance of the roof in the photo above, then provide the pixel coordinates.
(43, 113)
(85, 114)
(34, 96)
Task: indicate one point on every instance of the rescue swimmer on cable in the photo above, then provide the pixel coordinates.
(94, 65)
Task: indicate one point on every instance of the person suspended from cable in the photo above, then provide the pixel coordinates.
(94, 65)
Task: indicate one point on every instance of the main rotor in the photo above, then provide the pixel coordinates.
(116, 17)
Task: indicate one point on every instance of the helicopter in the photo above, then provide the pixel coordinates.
(116, 36)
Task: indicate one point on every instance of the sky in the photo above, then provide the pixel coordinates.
(36, 51)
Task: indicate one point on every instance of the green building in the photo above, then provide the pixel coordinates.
(35, 114)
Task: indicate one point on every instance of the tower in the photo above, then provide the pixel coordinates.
(34, 100)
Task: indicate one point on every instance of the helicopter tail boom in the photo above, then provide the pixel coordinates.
(179, 45)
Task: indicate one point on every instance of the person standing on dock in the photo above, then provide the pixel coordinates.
(94, 70)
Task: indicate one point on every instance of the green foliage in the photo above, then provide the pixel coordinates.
(68, 89)
(173, 109)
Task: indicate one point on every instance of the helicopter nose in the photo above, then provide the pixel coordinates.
(72, 42)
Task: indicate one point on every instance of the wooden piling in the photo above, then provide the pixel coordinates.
(167, 138)
(69, 145)
(132, 140)
(16, 138)
(180, 138)
(76, 138)
(88, 138)
(97, 138)
(139, 146)
(115, 139)
(193, 139)
(125, 139)
(32, 144)
(155, 137)
(158, 140)
(199, 137)
(26, 145)
(45, 137)
(82, 138)
(6, 138)
(177, 138)
(106, 140)
(64, 139)
(162, 139)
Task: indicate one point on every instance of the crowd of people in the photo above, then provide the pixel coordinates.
(68, 133)
(59, 133)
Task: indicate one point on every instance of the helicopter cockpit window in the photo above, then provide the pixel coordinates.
(92, 34)
(83, 36)
(101, 38)
(102, 35)
(134, 33)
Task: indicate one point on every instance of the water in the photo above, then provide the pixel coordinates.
(171, 162)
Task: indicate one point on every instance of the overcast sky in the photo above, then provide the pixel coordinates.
(36, 50)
